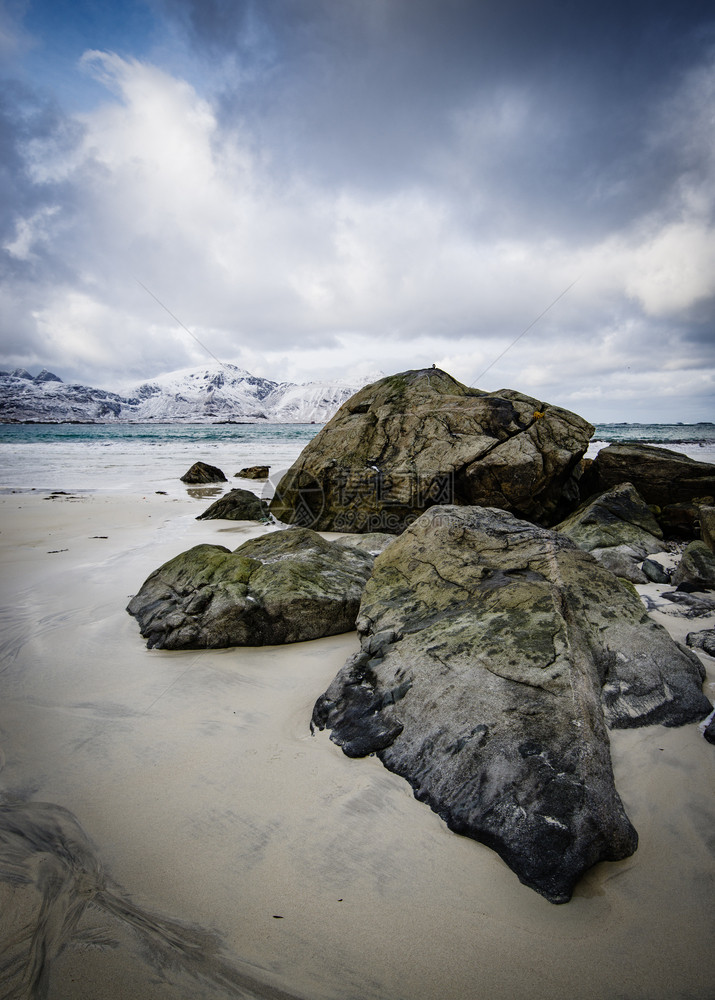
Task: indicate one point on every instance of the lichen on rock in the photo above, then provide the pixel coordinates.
(285, 586)
(493, 655)
(420, 438)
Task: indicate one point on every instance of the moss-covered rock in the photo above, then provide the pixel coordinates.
(420, 438)
(493, 653)
(618, 528)
(286, 586)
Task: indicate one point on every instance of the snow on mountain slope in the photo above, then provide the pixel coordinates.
(212, 393)
(46, 398)
(314, 402)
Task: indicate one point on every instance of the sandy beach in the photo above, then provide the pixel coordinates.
(217, 848)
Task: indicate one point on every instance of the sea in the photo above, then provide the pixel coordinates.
(139, 458)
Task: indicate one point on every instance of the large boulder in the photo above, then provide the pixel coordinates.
(617, 528)
(493, 652)
(236, 505)
(661, 476)
(420, 438)
(286, 586)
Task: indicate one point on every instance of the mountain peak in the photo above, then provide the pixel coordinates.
(208, 394)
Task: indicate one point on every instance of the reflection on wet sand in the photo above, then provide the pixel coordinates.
(51, 878)
(204, 492)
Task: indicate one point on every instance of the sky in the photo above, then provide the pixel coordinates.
(520, 192)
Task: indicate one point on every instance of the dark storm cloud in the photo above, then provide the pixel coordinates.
(548, 107)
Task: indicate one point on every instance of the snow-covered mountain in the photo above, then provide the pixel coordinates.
(47, 398)
(214, 393)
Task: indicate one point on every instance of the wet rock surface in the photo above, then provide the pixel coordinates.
(420, 438)
(493, 655)
(285, 586)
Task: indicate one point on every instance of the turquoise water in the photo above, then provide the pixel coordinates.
(302, 433)
(130, 458)
(156, 433)
(703, 433)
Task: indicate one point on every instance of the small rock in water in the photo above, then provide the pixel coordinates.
(254, 472)
(200, 472)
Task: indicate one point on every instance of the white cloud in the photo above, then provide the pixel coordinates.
(674, 270)
(31, 232)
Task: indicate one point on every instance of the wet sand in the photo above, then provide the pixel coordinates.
(171, 828)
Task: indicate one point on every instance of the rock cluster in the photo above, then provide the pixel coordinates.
(675, 486)
(494, 653)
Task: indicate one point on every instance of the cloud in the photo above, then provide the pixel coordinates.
(323, 186)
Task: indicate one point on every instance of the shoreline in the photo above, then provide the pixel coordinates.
(208, 802)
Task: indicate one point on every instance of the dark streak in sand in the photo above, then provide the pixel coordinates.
(52, 871)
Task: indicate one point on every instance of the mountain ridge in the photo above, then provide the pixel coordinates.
(213, 393)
